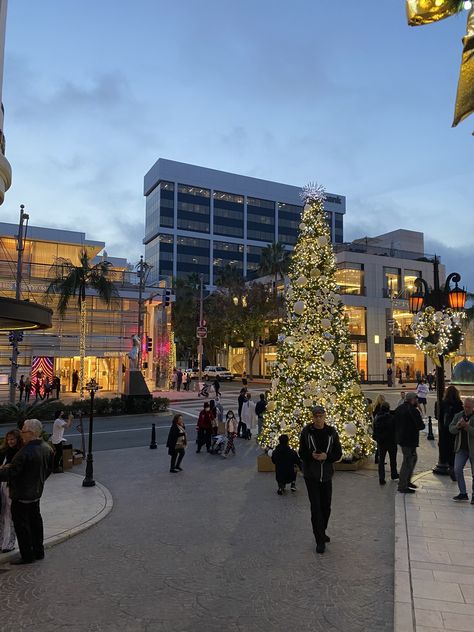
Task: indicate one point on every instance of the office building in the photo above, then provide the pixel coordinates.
(198, 220)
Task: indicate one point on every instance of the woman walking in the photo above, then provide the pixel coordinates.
(11, 445)
(231, 431)
(176, 443)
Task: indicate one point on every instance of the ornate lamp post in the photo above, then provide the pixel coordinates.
(89, 481)
(438, 334)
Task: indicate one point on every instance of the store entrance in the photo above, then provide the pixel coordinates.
(104, 370)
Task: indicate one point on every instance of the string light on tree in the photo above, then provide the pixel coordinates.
(314, 362)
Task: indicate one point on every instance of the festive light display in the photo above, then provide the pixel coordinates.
(438, 333)
(314, 360)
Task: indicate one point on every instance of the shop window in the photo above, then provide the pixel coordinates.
(356, 320)
(350, 278)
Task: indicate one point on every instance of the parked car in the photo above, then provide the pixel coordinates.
(192, 373)
(211, 372)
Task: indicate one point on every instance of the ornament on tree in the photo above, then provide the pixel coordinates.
(350, 429)
(298, 307)
(315, 273)
(328, 357)
(325, 323)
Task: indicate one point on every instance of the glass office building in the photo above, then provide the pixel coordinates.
(199, 220)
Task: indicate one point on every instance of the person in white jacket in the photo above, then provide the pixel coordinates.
(248, 417)
(422, 392)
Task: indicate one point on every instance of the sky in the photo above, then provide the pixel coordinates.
(345, 94)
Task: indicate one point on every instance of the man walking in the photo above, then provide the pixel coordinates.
(26, 475)
(462, 426)
(319, 449)
(408, 423)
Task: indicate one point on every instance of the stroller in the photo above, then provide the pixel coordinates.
(218, 444)
(204, 389)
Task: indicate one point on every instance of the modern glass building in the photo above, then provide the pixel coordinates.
(198, 219)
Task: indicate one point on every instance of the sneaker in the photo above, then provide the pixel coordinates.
(407, 490)
(320, 548)
(293, 487)
(461, 497)
(280, 492)
(327, 538)
(180, 469)
(173, 471)
(412, 486)
(395, 478)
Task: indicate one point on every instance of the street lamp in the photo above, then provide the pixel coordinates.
(439, 298)
(89, 481)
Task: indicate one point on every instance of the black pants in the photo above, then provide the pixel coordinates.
(392, 453)
(242, 430)
(176, 458)
(320, 495)
(58, 456)
(204, 437)
(408, 465)
(28, 528)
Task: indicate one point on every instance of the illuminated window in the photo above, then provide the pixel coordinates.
(350, 278)
(409, 277)
(356, 320)
(391, 281)
(402, 320)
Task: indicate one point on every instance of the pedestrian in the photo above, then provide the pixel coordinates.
(57, 439)
(47, 388)
(179, 379)
(240, 401)
(422, 393)
(384, 435)
(408, 423)
(21, 386)
(27, 388)
(184, 380)
(375, 411)
(231, 432)
(38, 388)
(75, 380)
(462, 426)
(451, 404)
(407, 372)
(286, 462)
(11, 445)
(248, 417)
(176, 443)
(430, 380)
(244, 379)
(260, 408)
(389, 376)
(204, 429)
(418, 376)
(319, 449)
(213, 413)
(401, 400)
(217, 387)
(57, 385)
(174, 379)
(26, 476)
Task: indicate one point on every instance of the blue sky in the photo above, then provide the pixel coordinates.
(342, 93)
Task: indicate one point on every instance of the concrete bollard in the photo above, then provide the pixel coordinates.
(153, 445)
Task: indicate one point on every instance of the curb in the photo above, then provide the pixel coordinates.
(404, 608)
(76, 529)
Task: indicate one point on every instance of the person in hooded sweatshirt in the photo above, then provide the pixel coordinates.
(319, 449)
(385, 435)
(286, 461)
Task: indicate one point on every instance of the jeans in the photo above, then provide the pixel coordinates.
(29, 529)
(408, 465)
(320, 495)
(460, 459)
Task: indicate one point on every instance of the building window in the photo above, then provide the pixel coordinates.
(356, 320)
(228, 214)
(350, 278)
(289, 218)
(225, 253)
(392, 283)
(194, 208)
(260, 219)
(402, 320)
(339, 228)
(193, 257)
(409, 277)
(254, 255)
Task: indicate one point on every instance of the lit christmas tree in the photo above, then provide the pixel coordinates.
(314, 362)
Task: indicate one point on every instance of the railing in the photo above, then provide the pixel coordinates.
(383, 251)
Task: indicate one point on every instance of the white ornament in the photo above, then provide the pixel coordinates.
(301, 281)
(307, 402)
(425, 333)
(350, 429)
(322, 240)
(297, 412)
(315, 273)
(328, 357)
(438, 316)
(271, 405)
(298, 307)
(290, 361)
(325, 323)
(302, 226)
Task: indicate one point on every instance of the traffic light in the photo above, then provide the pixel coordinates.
(388, 344)
(167, 297)
(149, 344)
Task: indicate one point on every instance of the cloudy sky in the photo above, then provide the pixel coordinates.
(342, 93)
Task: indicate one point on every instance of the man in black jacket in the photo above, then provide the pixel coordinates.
(26, 475)
(408, 423)
(319, 449)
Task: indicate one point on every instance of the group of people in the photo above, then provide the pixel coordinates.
(26, 461)
(42, 388)
(179, 379)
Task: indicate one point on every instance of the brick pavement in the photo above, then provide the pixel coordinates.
(209, 549)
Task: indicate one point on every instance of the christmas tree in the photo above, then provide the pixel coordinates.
(314, 361)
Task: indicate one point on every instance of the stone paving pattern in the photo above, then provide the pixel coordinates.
(213, 548)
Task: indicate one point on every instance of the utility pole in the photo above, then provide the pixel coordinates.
(143, 270)
(200, 348)
(17, 336)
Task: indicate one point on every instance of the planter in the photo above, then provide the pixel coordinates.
(349, 467)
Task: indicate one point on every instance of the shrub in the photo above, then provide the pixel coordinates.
(17, 413)
(160, 404)
(101, 405)
(117, 405)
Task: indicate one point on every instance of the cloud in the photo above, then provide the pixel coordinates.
(455, 260)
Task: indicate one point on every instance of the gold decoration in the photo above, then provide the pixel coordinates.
(420, 12)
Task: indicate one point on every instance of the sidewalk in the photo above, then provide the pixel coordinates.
(434, 566)
(68, 508)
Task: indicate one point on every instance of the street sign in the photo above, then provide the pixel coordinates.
(201, 332)
(203, 323)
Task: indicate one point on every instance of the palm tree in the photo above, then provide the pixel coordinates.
(275, 261)
(69, 280)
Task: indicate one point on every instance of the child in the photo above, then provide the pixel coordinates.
(231, 431)
(285, 459)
